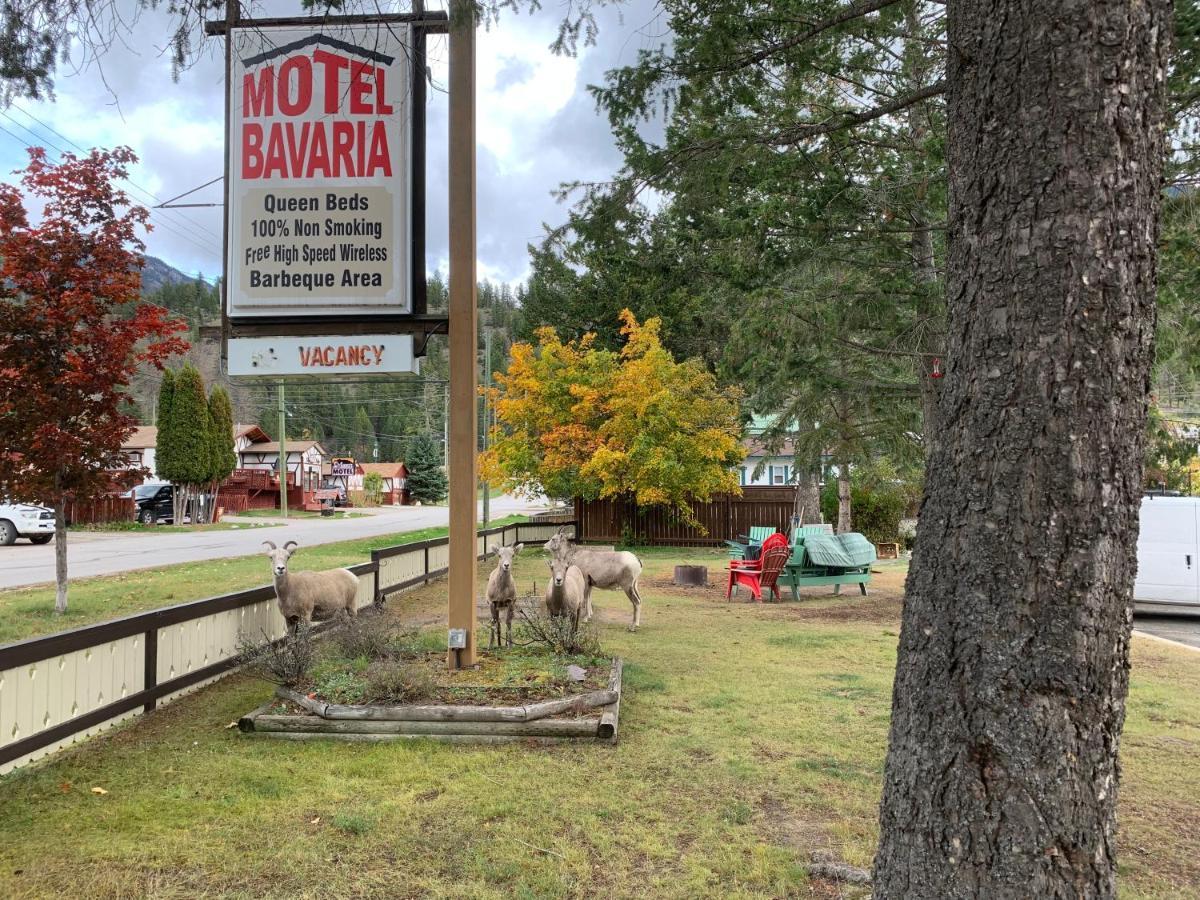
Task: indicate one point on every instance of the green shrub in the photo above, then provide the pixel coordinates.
(372, 488)
(341, 681)
(399, 681)
(879, 498)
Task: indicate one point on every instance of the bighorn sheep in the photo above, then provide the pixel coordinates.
(302, 593)
(566, 594)
(608, 569)
(502, 593)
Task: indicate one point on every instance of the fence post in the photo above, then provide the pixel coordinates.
(426, 563)
(150, 667)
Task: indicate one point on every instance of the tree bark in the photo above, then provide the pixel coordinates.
(844, 523)
(808, 497)
(1001, 776)
(60, 554)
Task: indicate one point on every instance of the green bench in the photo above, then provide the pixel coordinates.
(820, 558)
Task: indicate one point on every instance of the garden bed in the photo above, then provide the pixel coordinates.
(586, 711)
(370, 680)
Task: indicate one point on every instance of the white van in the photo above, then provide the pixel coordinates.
(1168, 552)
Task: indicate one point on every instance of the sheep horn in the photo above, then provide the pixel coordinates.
(270, 544)
(290, 544)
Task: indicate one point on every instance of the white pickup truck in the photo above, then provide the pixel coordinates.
(27, 521)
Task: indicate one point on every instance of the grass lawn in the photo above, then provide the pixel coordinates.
(750, 736)
(27, 612)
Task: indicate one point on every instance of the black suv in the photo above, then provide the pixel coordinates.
(155, 503)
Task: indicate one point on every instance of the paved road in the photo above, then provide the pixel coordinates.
(106, 553)
(1183, 630)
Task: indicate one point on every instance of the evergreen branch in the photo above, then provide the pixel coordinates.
(816, 129)
(848, 14)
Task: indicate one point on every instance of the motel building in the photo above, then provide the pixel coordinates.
(256, 477)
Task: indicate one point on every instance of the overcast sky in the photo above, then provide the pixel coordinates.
(537, 127)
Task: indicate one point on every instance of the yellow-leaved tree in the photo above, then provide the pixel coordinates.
(576, 421)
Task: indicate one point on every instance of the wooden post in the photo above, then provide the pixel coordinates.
(464, 334)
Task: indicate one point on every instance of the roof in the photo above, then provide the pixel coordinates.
(755, 447)
(387, 470)
(254, 432)
(273, 447)
(143, 438)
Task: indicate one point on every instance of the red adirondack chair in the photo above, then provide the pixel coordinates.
(762, 573)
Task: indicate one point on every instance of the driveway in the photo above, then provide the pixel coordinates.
(107, 553)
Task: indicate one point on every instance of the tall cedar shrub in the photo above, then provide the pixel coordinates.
(164, 454)
(190, 428)
(222, 458)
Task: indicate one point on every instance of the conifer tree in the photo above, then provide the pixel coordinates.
(426, 480)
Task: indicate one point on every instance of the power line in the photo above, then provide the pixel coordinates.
(182, 218)
(196, 238)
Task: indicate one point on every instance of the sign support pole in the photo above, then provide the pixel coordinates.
(487, 417)
(464, 332)
(283, 464)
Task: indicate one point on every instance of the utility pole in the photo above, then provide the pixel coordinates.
(283, 466)
(464, 340)
(487, 418)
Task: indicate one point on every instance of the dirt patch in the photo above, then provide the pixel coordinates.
(881, 609)
(803, 835)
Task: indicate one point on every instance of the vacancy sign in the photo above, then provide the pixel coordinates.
(378, 354)
(319, 174)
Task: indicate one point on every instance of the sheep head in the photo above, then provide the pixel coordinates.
(506, 556)
(558, 570)
(279, 556)
(559, 543)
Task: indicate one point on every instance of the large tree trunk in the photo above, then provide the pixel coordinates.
(807, 505)
(1001, 775)
(60, 554)
(844, 523)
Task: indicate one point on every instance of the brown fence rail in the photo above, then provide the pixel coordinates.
(723, 518)
(61, 687)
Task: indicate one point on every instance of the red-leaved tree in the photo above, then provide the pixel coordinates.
(73, 331)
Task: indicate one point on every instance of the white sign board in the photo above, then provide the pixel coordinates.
(376, 354)
(319, 171)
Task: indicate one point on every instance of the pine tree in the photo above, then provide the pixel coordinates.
(426, 480)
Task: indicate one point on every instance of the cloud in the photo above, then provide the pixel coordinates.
(536, 127)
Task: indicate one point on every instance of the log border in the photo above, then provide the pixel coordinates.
(533, 722)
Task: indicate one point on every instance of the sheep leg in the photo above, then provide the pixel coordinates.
(587, 602)
(636, 599)
(512, 605)
(494, 626)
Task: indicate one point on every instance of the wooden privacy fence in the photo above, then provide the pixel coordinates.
(614, 520)
(112, 508)
(57, 689)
